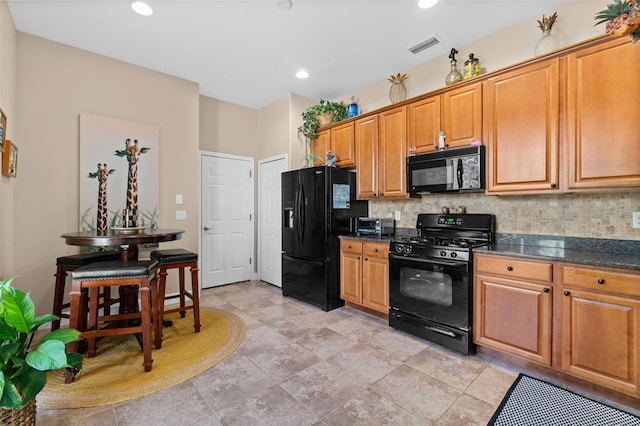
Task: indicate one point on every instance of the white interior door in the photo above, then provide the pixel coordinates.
(270, 218)
(227, 222)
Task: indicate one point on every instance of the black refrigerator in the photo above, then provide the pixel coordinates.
(318, 205)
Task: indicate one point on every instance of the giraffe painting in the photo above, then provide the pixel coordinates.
(132, 151)
(103, 220)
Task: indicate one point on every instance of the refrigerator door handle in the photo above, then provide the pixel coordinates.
(302, 214)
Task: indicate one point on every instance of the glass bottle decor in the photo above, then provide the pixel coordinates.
(454, 75)
(397, 92)
(352, 109)
(471, 67)
(548, 42)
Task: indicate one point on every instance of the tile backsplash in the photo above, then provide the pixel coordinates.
(606, 215)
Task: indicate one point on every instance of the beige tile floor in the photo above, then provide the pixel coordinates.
(299, 365)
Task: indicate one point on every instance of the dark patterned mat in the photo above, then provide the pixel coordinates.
(531, 401)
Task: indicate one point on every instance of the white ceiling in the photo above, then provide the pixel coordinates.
(248, 51)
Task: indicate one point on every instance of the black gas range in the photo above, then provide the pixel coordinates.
(431, 277)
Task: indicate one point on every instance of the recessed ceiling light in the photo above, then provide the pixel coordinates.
(302, 74)
(141, 8)
(285, 4)
(426, 4)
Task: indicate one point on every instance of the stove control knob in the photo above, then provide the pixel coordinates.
(398, 249)
(407, 249)
(454, 254)
(443, 253)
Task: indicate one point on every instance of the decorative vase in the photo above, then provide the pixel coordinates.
(25, 416)
(454, 75)
(397, 91)
(547, 43)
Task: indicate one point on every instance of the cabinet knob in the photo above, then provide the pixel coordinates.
(553, 185)
(349, 245)
(600, 281)
(546, 290)
(376, 250)
(382, 194)
(366, 259)
(567, 293)
(509, 268)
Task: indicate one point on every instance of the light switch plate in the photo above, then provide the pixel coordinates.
(398, 215)
(181, 215)
(178, 198)
(636, 219)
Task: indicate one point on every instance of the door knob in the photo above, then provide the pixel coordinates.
(206, 228)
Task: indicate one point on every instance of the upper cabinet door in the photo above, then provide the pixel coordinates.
(319, 148)
(603, 128)
(423, 125)
(522, 129)
(366, 135)
(343, 144)
(393, 153)
(462, 115)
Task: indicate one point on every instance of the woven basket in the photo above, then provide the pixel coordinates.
(25, 416)
(325, 118)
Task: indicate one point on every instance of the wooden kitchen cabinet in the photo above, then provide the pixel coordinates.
(340, 140)
(457, 112)
(513, 306)
(381, 145)
(522, 129)
(343, 144)
(602, 116)
(364, 274)
(320, 146)
(601, 326)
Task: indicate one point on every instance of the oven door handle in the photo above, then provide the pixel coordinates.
(429, 261)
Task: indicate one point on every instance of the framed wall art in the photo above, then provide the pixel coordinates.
(3, 128)
(10, 159)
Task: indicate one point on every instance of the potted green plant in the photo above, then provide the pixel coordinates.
(23, 365)
(622, 17)
(321, 114)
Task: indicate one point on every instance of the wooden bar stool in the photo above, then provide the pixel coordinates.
(140, 273)
(70, 263)
(179, 259)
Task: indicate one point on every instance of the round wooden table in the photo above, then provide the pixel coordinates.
(127, 240)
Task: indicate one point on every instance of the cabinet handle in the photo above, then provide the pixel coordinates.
(553, 185)
(509, 268)
(546, 290)
(600, 281)
(567, 293)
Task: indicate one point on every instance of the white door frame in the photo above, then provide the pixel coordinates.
(284, 157)
(254, 274)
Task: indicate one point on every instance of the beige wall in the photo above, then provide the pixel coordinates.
(227, 128)
(504, 48)
(55, 84)
(7, 103)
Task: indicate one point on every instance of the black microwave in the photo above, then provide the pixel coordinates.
(455, 170)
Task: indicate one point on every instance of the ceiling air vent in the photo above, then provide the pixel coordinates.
(425, 45)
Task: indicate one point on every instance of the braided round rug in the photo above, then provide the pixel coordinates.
(116, 374)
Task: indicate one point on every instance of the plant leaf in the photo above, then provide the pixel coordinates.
(10, 395)
(65, 335)
(30, 384)
(18, 309)
(50, 355)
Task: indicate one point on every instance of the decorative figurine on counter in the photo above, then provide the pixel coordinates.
(441, 143)
(102, 223)
(132, 152)
(331, 159)
(454, 75)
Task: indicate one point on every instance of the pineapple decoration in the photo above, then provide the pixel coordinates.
(548, 42)
(397, 92)
(622, 17)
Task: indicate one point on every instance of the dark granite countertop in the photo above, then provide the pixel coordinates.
(624, 254)
(368, 238)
